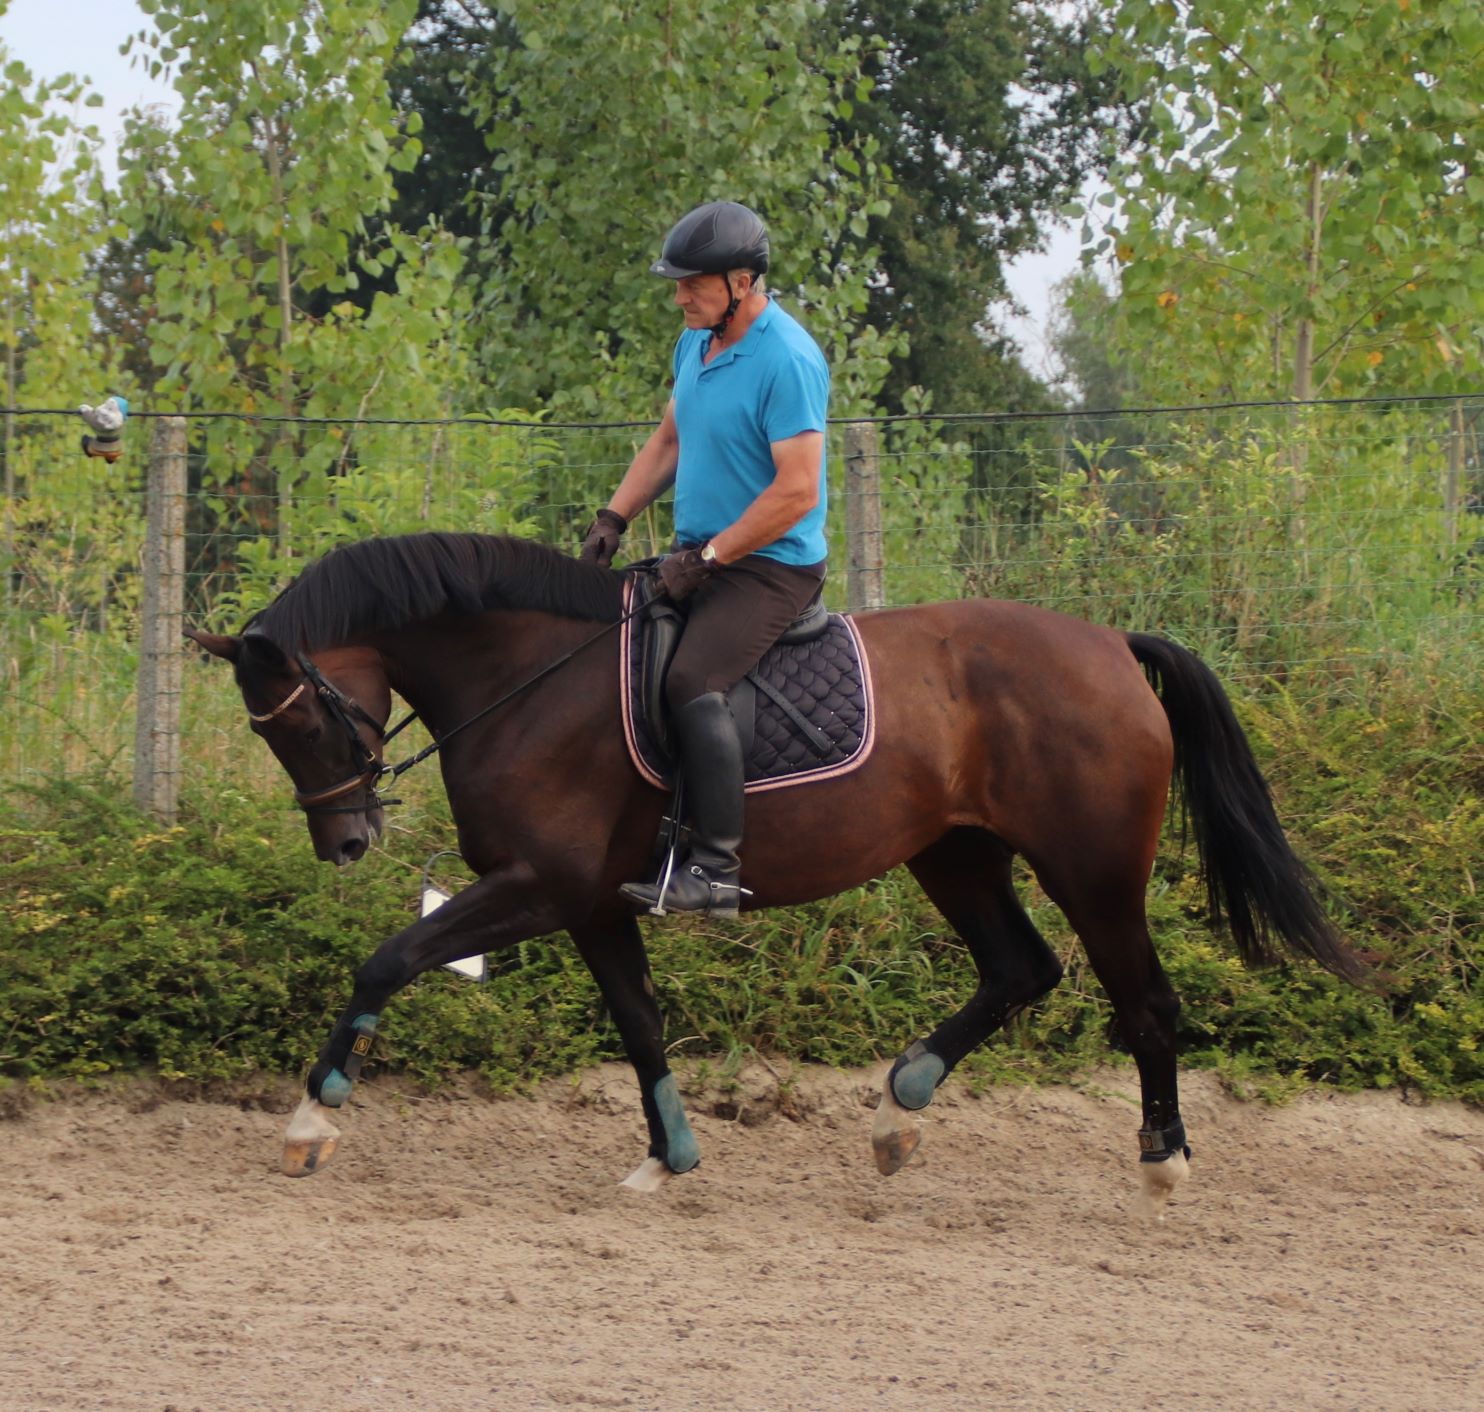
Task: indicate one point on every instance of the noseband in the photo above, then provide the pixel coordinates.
(346, 713)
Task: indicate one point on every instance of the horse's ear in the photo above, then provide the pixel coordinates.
(264, 652)
(216, 643)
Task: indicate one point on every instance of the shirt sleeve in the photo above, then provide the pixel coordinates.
(797, 398)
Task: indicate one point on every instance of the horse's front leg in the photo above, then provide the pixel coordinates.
(614, 951)
(504, 907)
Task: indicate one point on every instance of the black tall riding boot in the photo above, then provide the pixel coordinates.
(711, 757)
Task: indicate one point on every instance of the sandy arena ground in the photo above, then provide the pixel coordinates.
(464, 1254)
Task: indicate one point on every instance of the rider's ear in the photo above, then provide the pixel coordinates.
(265, 653)
(216, 643)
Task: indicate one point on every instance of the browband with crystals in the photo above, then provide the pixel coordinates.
(282, 705)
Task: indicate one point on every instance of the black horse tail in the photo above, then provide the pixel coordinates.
(1253, 877)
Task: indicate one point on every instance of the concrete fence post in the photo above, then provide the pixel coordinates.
(1453, 476)
(157, 712)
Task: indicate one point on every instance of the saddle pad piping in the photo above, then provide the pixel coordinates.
(626, 694)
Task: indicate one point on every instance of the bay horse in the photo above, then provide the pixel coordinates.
(1001, 729)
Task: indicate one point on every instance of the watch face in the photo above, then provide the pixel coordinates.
(708, 554)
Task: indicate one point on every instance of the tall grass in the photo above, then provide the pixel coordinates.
(1318, 549)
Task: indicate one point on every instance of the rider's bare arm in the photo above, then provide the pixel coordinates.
(652, 471)
(793, 494)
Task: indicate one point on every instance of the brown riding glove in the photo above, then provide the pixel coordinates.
(600, 543)
(683, 572)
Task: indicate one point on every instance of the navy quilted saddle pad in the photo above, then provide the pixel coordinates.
(805, 712)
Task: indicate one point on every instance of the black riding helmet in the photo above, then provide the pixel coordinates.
(715, 239)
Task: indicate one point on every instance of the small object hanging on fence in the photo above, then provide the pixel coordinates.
(107, 421)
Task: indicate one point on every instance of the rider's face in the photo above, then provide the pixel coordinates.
(702, 299)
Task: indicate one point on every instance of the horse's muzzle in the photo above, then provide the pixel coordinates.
(349, 850)
(344, 839)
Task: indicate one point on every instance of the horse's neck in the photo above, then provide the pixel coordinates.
(451, 668)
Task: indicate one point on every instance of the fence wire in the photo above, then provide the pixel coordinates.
(1317, 548)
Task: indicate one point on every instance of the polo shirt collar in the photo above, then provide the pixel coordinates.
(755, 329)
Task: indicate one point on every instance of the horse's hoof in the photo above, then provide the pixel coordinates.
(304, 1159)
(1157, 1180)
(894, 1148)
(649, 1176)
(894, 1135)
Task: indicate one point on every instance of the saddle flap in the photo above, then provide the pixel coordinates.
(659, 636)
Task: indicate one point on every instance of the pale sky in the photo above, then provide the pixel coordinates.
(82, 37)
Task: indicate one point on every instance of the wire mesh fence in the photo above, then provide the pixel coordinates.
(1319, 547)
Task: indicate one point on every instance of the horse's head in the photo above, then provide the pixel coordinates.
(324, 721)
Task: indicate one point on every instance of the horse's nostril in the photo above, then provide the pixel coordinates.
(352, 849)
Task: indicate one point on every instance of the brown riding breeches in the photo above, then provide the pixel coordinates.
(735, 616)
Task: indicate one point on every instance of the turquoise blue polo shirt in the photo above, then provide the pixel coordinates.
(771, 385)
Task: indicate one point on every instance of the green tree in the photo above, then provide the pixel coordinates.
(990, 119)
(452, 185)
(608, 121)
(62, 544)
(1306, 216)
(984, 112)
(286, 141)
(453, 179)
(123, 266)
(49, 180)
(284, 152)
(1090, 369)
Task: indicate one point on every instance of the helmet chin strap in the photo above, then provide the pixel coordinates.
(733, 300)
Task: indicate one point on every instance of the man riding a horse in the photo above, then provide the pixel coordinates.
(742, 441)
(1004, 735)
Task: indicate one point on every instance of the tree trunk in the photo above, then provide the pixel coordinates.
(1303, 352)
(285, 337)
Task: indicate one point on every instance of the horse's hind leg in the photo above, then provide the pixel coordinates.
(1105, 906)
(614, 951)
(967, 876)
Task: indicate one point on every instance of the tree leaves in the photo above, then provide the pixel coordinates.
(258, 204)
(607, 123)
(1313, 170)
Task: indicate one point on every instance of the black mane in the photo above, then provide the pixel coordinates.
(388, 583)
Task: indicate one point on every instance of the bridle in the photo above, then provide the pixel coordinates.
(346, 712)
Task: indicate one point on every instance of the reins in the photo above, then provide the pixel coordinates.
(394, 771)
